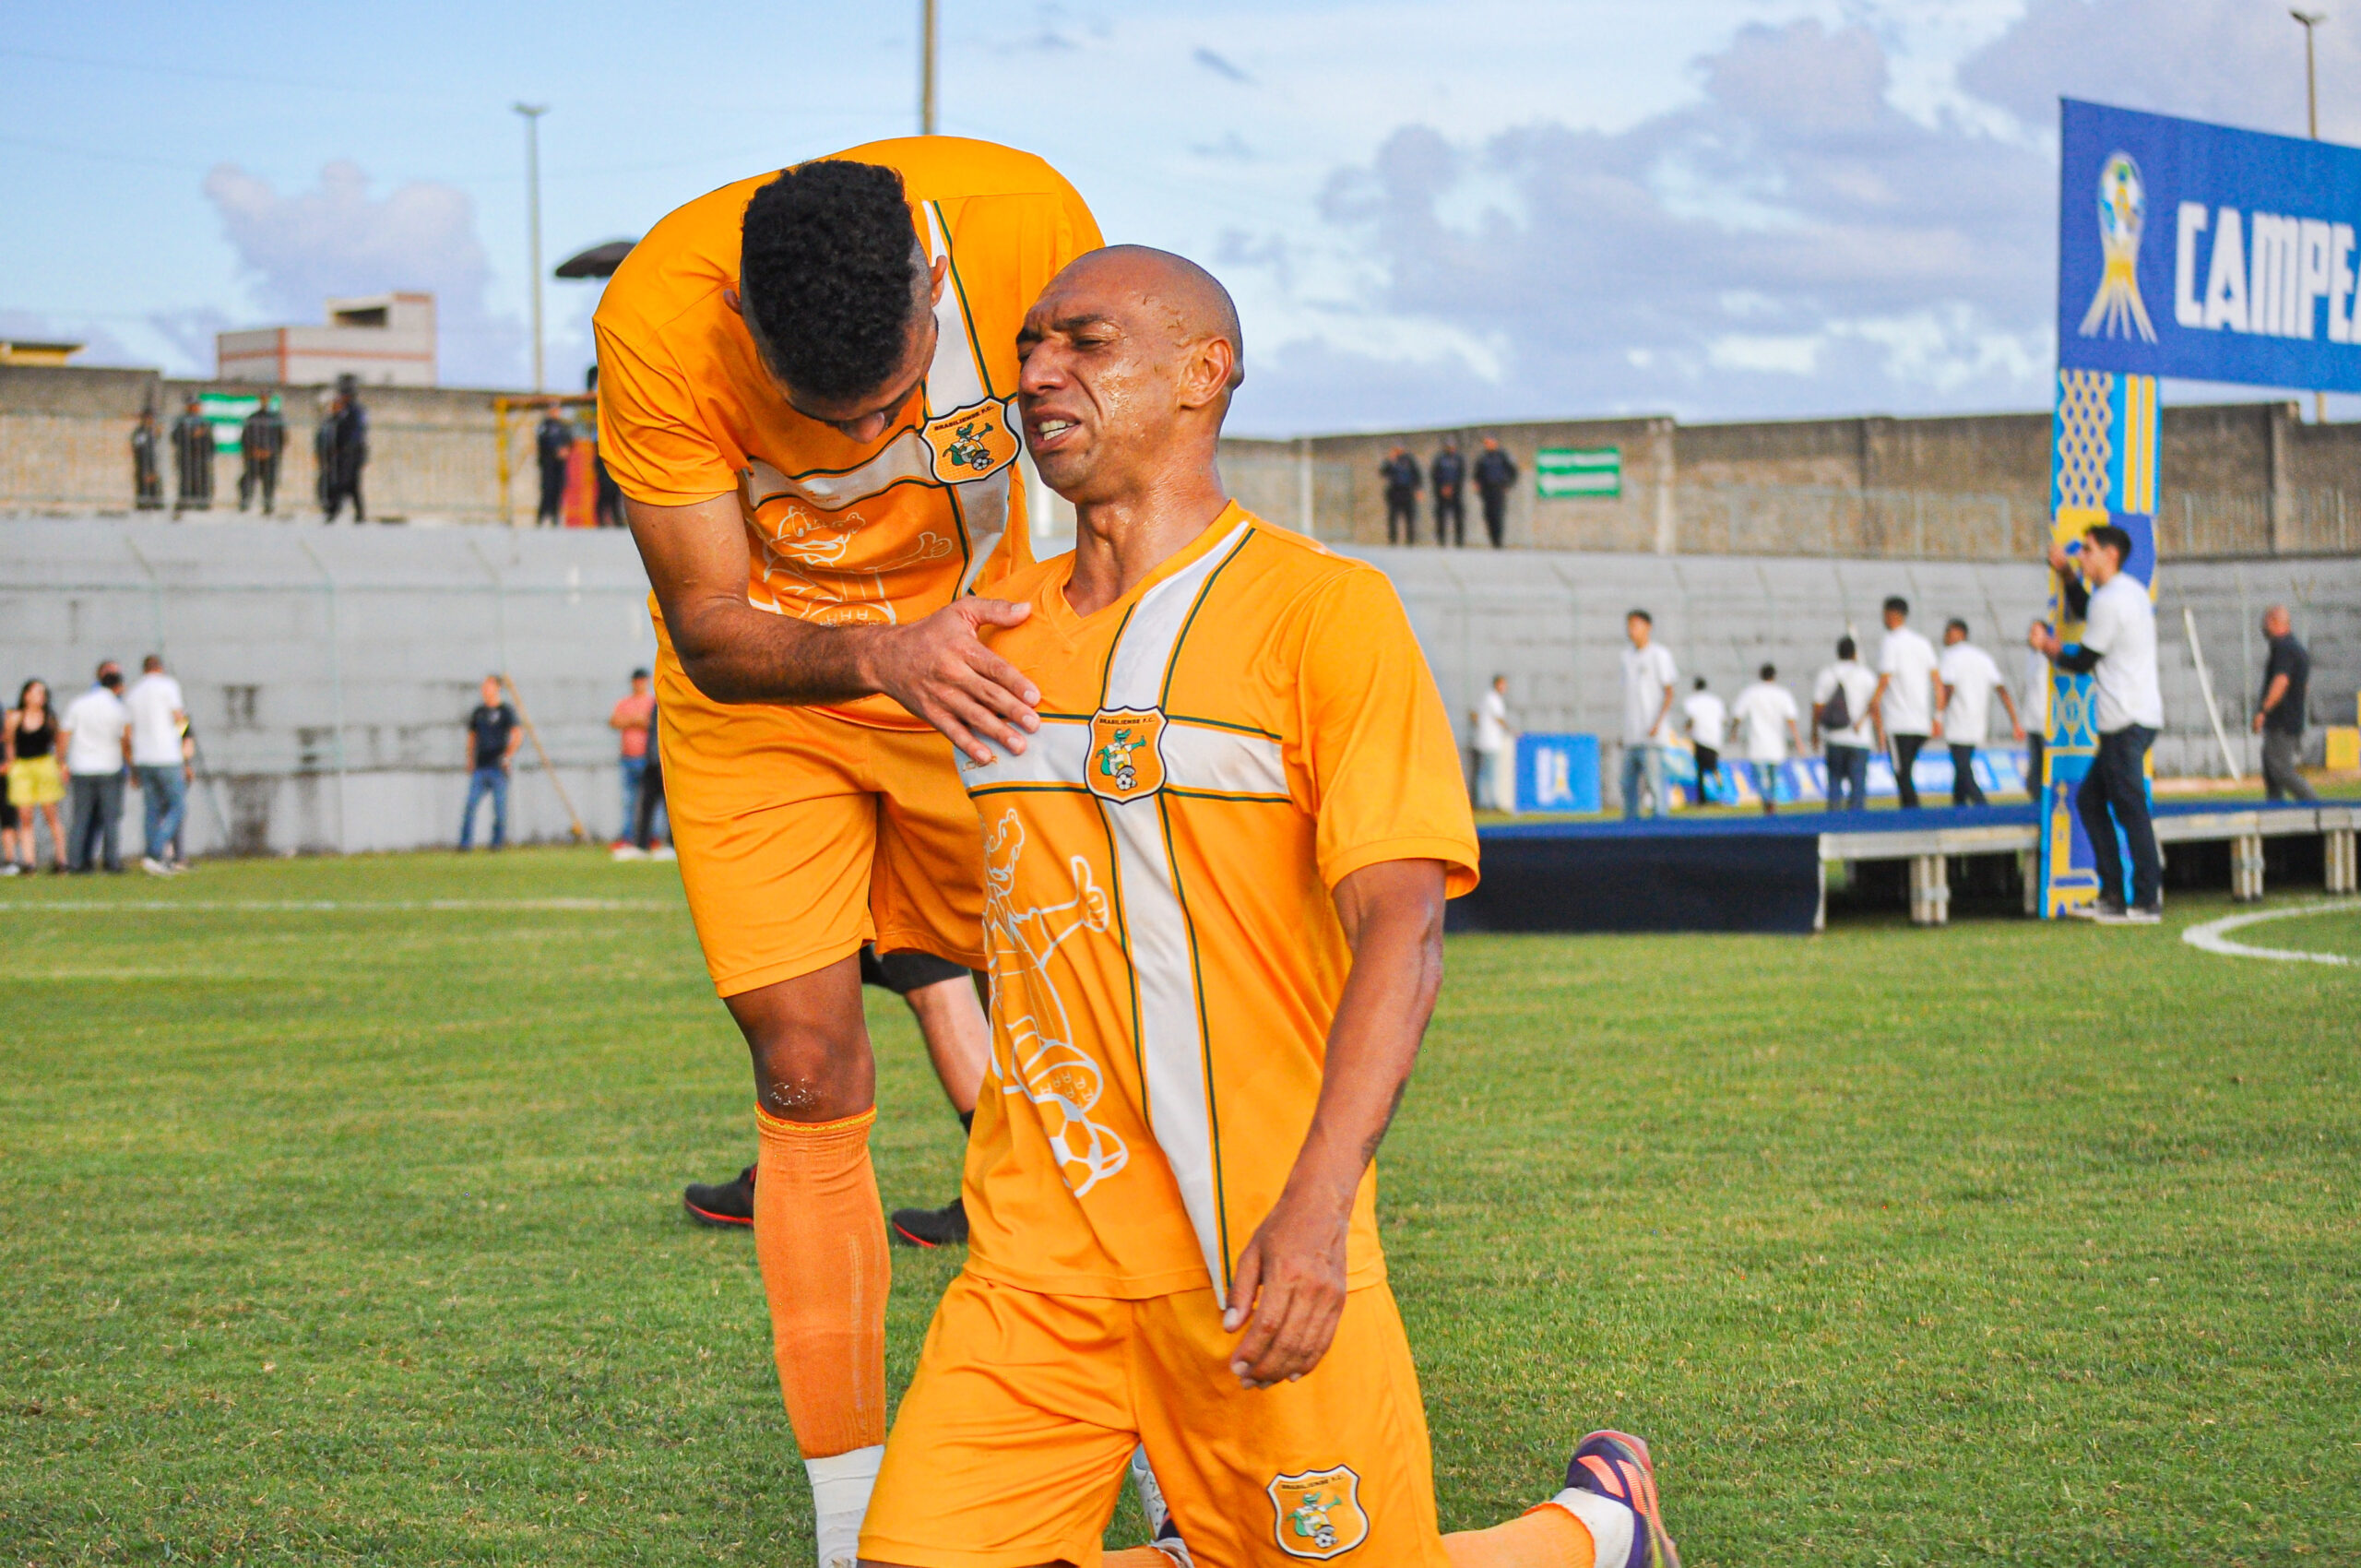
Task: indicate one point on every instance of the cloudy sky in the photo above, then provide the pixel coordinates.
(1431, 210)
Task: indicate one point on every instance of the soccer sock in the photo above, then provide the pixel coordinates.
(820, 1236)
(1573, 1529)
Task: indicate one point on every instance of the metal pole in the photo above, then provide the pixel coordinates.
(926, 67)
(1303, 488)
(533, 113)
(336, 692)
(2312, 120)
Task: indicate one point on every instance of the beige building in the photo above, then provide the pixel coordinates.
(378, 339)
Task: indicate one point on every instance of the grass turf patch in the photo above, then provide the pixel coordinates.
(340, 1226)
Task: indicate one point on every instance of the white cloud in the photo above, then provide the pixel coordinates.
(1856, 212)
(338, 239)
(1798, 355)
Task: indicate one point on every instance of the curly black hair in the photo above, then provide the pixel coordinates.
(830, 277)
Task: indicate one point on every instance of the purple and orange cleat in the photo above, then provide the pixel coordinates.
(1616, 1465)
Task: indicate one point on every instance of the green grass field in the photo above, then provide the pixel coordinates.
(338, 1227)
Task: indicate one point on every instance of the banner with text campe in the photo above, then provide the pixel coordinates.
(2205, 253)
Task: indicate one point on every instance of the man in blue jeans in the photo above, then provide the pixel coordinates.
(159, 726)
(1845, 710)
(2119, 652)
(493, 736)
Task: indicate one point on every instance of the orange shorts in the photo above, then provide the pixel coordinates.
(1008, 1449)
(802, 835)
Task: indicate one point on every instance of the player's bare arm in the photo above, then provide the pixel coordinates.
(1289, 1290)
(697, 561)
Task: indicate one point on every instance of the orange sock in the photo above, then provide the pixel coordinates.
(1547, 1538)
(819, 1237)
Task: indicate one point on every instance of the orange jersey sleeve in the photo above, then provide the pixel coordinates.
(1375, 740)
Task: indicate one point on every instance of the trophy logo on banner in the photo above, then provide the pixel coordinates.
(2116, 310)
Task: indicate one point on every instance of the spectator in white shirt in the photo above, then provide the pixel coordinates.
(1844, 708)
(1708, 723)
(2038, 677)
(1905, 699)
(1965, 683)
(1648, 678)
(1765, 716)
(2118, 651)
(97, 732)
(158, 721)
(1489, 720)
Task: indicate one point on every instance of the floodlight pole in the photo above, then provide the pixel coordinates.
(2312, 19)
(533, 113)
(926, 67)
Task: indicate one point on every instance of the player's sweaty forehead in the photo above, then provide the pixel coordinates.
(1137, 292)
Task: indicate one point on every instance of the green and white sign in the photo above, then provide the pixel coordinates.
(1559, 472)
(226, 413)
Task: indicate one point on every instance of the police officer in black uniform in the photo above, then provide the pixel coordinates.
(261, 440)
(1448, 475)
(552, 443)
(1400, 471)
(1495, 474)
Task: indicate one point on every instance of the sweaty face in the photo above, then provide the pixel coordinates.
(1100, 364)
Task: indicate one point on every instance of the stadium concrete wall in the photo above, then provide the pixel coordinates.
(2247, 479)
(329, 671)
(434, 452)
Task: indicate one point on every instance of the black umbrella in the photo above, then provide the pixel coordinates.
(598, 261)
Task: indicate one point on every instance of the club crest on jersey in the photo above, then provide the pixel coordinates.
(1317, 1513)
(972, 443)
(1126, 754)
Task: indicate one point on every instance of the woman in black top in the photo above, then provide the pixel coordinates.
(29, 747)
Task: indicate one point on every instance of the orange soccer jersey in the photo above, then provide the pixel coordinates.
(843, 534)
(1218, 749)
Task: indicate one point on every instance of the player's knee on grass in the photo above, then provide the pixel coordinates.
(809, 1045)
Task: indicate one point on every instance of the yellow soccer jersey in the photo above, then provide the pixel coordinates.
(1218, 748)
(843, 534)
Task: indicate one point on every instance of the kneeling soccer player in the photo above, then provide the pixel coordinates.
(1214, 895)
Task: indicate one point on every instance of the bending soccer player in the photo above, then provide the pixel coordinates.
(805, 392)
(1214, 895)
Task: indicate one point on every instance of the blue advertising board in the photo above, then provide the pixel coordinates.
(1557, 773)
(2199, 251)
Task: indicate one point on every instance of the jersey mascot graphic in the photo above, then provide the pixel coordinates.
(1115, 759)
(1126, 754)
(972, 443)
(1043, 1063)
(1318, 1512)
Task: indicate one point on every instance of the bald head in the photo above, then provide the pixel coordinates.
(1130, 357)
(1186, 301)
(2277, 622)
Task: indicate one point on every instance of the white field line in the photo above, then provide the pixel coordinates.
(334, 905)
(2214, 936)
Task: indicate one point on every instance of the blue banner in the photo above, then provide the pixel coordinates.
(1999, 770)
(2192, 250)
(1557, 773)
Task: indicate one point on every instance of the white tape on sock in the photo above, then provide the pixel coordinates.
(1610, 1524)
(840, 1487)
